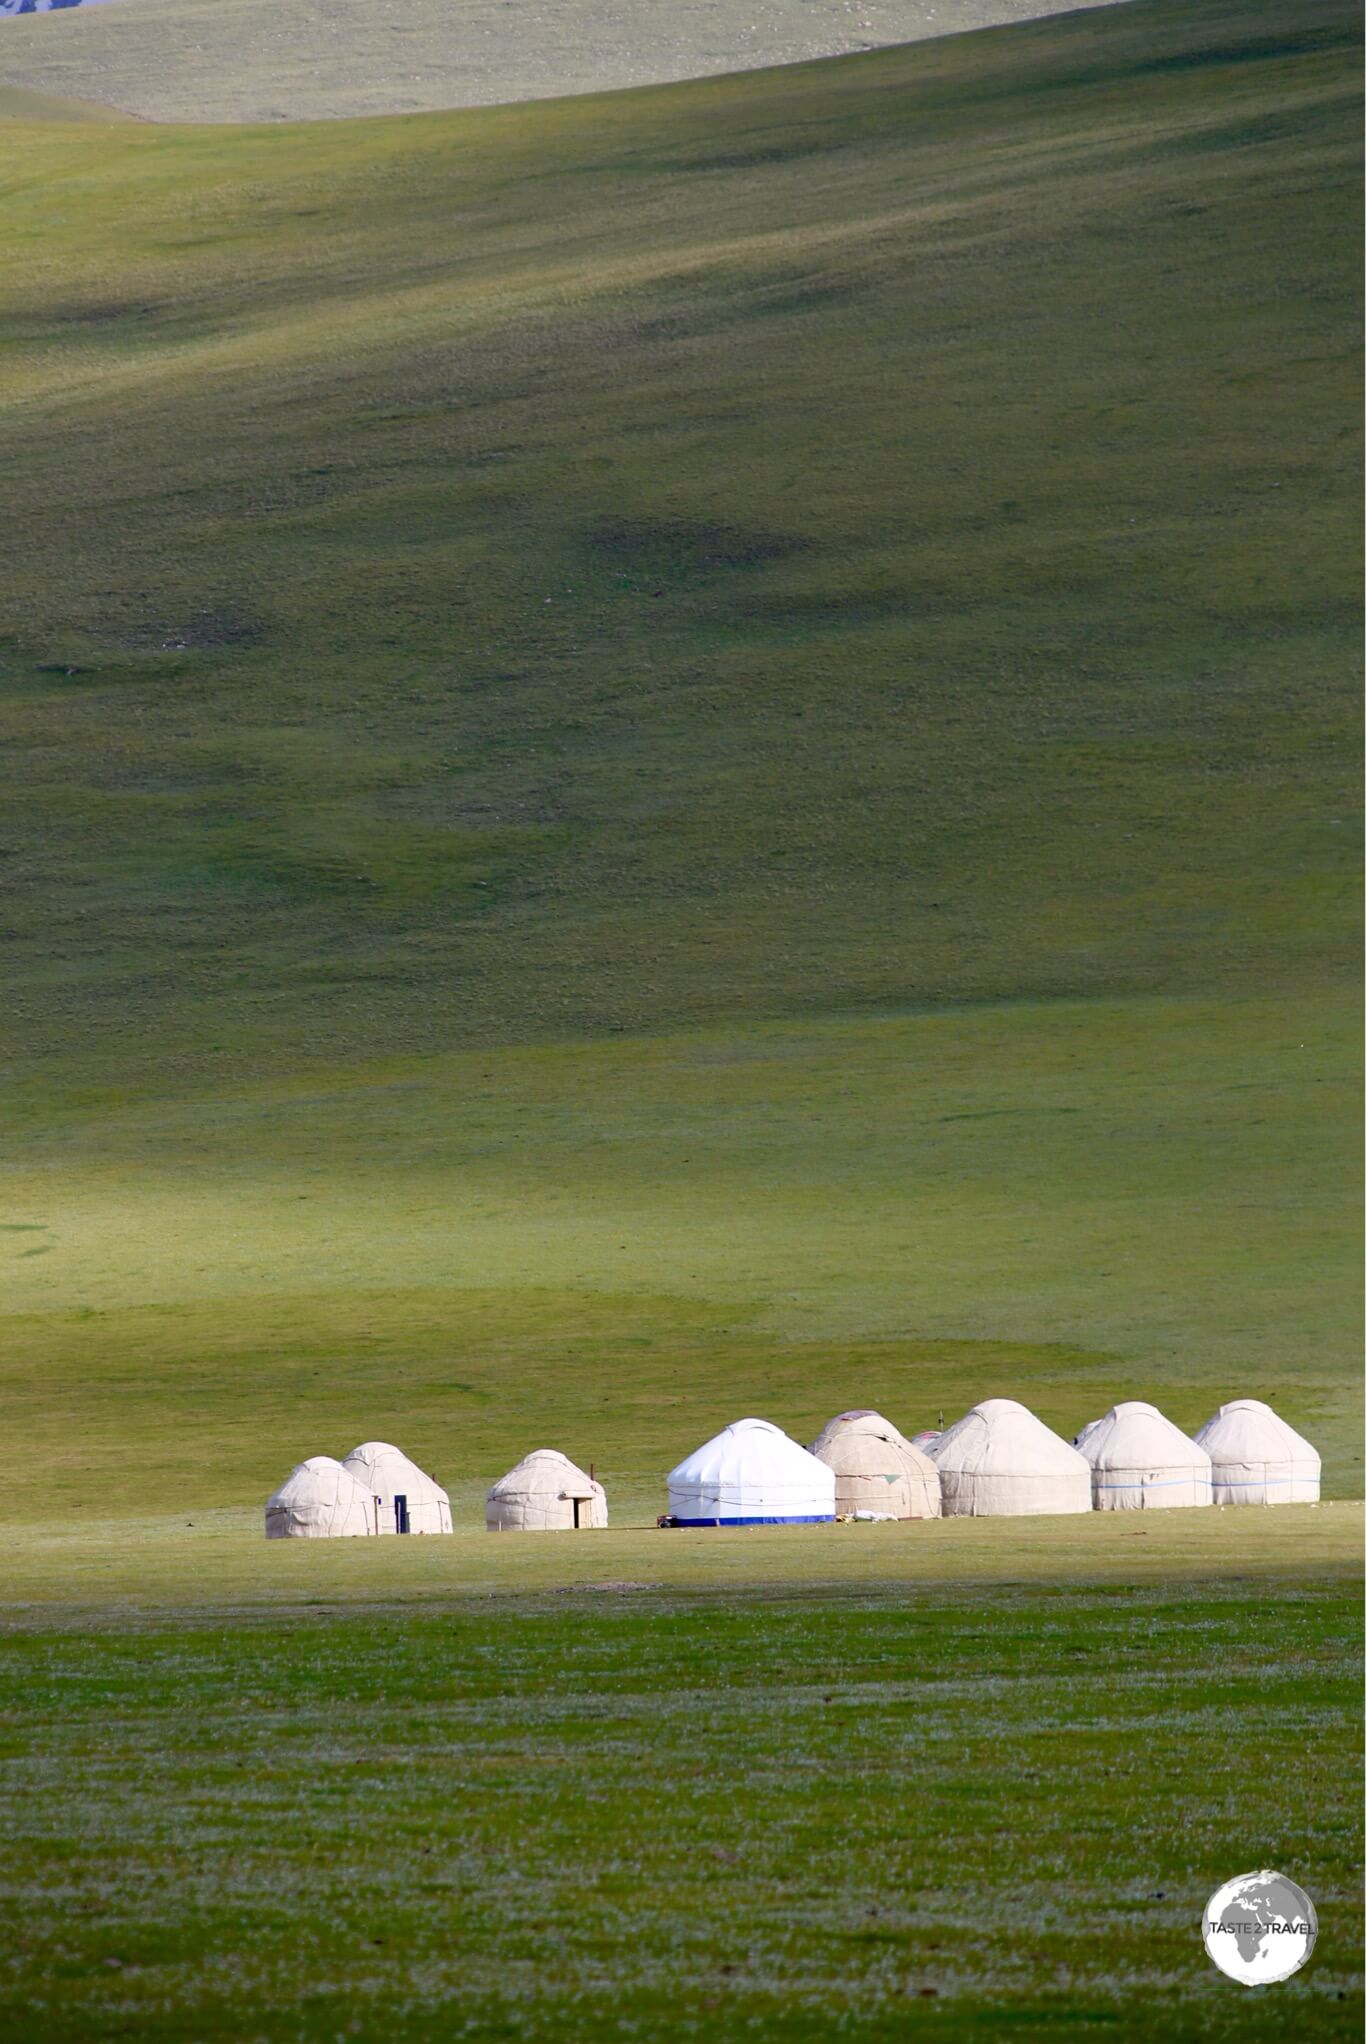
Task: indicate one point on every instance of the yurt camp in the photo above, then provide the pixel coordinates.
(1257, 1459)
(321, 1501)
(1140, 1461)
(751, 1474)
(1000, 1459)
(545, 1493)
(410, 1500)
(878, 1472)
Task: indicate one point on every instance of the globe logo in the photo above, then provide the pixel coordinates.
(1259, 1928)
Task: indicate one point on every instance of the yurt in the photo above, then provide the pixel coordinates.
(999, 1458)
(411, 1501)
(545, 1493)
(876, 1468)
(1140, 1461)
(751, 1474)
(1257, 1459)
(321, 1501)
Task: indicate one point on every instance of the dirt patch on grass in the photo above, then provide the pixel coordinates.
(251, 60)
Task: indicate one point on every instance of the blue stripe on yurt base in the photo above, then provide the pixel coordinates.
(798, 1519)
(1259, 1482)
(1166, 1483)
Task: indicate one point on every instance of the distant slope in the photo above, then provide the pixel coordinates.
(19, 104)
(617, 1246)
(881, 533)
(872, 546)
(259, 60)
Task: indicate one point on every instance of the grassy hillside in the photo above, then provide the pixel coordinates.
(672, 755)
(869, 546)
(19, 103)
(617, 1248)
(873, 534)
(254, 60)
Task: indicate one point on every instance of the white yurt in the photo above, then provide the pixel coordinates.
(1257, 1459)
(1140, 1461)
(321, 1501)
(1000, 1459)
(751, 1474)
(545, 1493)
(876, 1468)
(387, 1471)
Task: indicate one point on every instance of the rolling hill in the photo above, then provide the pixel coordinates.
(664, 755)
(703, 731)
(261, 60)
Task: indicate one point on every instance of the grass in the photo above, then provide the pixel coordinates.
(801, 1809)
(692, 745)
(21, 104)
(669, 755)
(125, 1570)
(616, 1247)
(877, 533)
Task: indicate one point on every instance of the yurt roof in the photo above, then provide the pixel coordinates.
(1247, 1424)
(748, 1444)
(865, 1437)
(1133, 1432)
(546, 1469)
(387, 1470)
(863, 1420)
(320, 1476)
(1001, 1437)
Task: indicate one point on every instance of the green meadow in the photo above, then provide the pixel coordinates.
(967, 1778)
(606, 1246)
(669, 755)
(873, 534)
